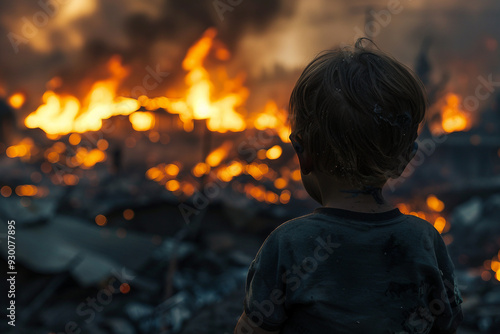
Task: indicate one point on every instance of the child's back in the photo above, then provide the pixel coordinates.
(353, 272)
(355, 265)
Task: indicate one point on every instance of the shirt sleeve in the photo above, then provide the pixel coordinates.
(446, 300)
(265, 289)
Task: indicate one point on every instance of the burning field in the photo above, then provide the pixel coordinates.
(144, 150)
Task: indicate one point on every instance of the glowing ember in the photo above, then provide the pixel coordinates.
(124, 288)
(440, 224)
(172, 185)
(21, 150)
(432, 215)
(453, 117)
(6, 191)
(70, 179)
(434, 203)
(154, 173)
(16, 101)
(235, 168)
(128, 214)
(188, 188)
(285, 196)
(280, 183)
(84, 158)
(64, 114)
(172, 169)
(142, 121)
(493, 265)
(102, 144)
(200, 169)
(101, 220)
(74, 139)
(296, 175)
(274, 152)
(26, 190)
(215, 157)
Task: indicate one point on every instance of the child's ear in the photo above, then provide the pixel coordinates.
(305, 159)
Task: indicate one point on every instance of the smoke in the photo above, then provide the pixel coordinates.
(71, 38)
(463, 38)
(270, 40)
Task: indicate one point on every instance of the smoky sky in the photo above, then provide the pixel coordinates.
(269, 39)
(118, 27)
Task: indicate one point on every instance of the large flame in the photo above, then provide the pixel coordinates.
(63, 114)
(201, 100)
(209, 95)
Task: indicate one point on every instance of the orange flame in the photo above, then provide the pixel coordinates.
(433, 216)
(210, 95)
(200, 101)
(273, 118)
(453, 117)
(64, 114)
(215, 157)
(434, 203)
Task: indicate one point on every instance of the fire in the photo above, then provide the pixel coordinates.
(432, 215)
(200, 101)
(6, 191)
(434, 203)
(493, 265)
(273, 118)
(21, 150)
(142, 121)
(16, 100)
(74, 139)
(210, 95)
(440, 224)
(215, 157)
(63, 114)
(453, 117)
(26, 190)
(200, 169)
(274, 152)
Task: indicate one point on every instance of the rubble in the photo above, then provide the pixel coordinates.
(476, 238)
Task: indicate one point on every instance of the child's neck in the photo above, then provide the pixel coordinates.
(348, 200)
(340, 195)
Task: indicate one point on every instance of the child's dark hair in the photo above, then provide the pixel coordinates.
(357, 111)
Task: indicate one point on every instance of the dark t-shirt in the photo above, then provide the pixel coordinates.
(338, 271)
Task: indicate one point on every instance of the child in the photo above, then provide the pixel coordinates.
(356, 264)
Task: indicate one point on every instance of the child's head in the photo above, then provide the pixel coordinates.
(356, 112)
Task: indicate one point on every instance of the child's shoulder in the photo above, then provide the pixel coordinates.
(417, 223)
(315, 222)
(294, 224)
